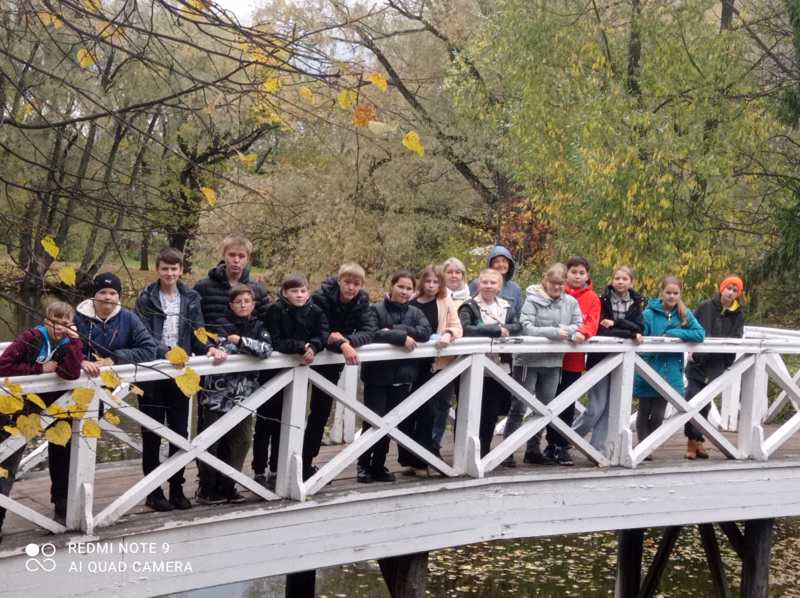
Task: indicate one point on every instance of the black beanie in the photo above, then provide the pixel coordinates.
(107, 280)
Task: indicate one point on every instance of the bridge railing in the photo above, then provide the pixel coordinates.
(759, 361)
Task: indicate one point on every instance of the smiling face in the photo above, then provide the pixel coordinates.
(454, 278)
(670, 295)
(501, 264)
(402, 290)
(242, 305)
(235, 258)
(489, 286)
(622, 282)
(169, 274)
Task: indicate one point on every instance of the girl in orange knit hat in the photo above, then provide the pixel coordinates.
(722, 316)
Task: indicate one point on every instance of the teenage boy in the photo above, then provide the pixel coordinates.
(579, 286)
(241, 333)
(352, 324)
(111, 334)
(231, 270)
(171, 311)
(53, 346)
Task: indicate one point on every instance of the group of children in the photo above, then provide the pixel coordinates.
(437, 305)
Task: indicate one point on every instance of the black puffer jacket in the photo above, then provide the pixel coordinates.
(148, 308)
(214, 291)
(292, 327)
(471, 321)
(355, 320)
(628, 327)
(396, 322)
(719, 322)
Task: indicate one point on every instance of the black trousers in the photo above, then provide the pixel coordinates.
(495, 404)
(568, 415)
(11, 464)
(381, 399)
(692, 431)
(319, 412)
(267, 435)
(165, 403)
(419, 425)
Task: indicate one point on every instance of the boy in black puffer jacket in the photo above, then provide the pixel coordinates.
(296, 326)
(243, 334)
(388, 383)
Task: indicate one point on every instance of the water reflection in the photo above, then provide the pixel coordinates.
(560, 567)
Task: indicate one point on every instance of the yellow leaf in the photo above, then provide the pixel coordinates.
(85, 60)
(13, 388)
(92, 5)
(210, 195)
(346, 99)
(272, 85)
(59, 434)
(76, 411)
(188, 382)
(381, 129)
(83, 396)
(249, 160)
(49, 245)
(377, 80)
(177, 356)
(110, 379)
(56, 411)
(9, 405)
(306, 93)
(67, 276)
(11, 430)
(137, 391)
(91, 429)
(363, 114)
(36, 400)
(412, 142)
(111, 418)
(3, 472)
(49, 19)
(29, 425)
(204, 335)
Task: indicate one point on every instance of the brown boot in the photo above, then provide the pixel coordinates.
(700, 450)
(691, 449)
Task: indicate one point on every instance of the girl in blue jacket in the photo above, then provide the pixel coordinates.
(665, 316)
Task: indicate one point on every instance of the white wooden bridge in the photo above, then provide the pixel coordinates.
(113, 546)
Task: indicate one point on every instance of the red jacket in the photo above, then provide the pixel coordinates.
(19, 358)
(589, 303)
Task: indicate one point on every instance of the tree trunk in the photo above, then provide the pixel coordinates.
(144, 256)
(726, 19)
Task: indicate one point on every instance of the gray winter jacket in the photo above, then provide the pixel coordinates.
(544, 316)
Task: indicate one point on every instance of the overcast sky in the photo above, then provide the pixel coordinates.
(242, 8)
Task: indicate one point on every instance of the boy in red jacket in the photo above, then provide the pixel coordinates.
(579, 285)
(53, 346)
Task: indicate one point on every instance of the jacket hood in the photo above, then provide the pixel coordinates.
(86, 308)
(217, 274)
(537, 294)
(501, 251)
(578, 292)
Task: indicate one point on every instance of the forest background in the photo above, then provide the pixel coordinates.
(662, 134)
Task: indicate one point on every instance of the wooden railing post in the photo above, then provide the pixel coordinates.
(83, 456)
(344, 420)
(753, 396)
(620, 437)
(468, 419)
(293, 422)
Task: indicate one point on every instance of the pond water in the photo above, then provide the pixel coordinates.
(558, 567)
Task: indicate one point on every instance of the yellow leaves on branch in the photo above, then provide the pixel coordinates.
(48, 19)
(84, 395)
(91, 429)
(50, 246)
(248, 160)
(12, 430)
(11, 402)
(204, 335)
(412, 142)
(13, 388)
(188, 382)
(85, 59)
(307, 95)
(210, 195)
(346, 99)
(29, 425)
(57, 411)
(272, 85)
(59, 434)
(36, 400)
(363, 114)
(67, 275)
(194, 8)
(378, 81)
(177, 356)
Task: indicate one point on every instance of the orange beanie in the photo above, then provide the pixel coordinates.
(732, 280)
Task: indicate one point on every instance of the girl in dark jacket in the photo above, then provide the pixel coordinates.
(722, 316)
(296, 326)
(488, 314)
(621, 317)
(388, 383)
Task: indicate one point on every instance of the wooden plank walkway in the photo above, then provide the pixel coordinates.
(114, 478)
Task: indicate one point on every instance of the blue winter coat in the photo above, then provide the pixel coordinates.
(658, 322)
(122, 336)
(511, 290)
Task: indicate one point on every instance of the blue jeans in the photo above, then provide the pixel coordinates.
(440, 406)
(595, 418)
(541, 382)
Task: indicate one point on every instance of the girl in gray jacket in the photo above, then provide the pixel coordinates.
(551, 313)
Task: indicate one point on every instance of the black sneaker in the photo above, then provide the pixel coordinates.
(382, 475)
(364, 476)
(157, 501)
(208, 498)
(177, 499)
(536, 457)
(509, 461)
(260, 478)
(60, 510)
(272, 480)
(563, 456)
(233, 496)
(309, 471)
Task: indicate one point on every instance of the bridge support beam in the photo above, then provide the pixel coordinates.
(406, 576)
(629, 563)
(301, 584)
(755, 564)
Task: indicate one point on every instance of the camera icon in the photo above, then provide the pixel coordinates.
(40, 557)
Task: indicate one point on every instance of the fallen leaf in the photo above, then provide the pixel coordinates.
(91, 429)
(36, 400)
(210, 195)
(67, 275)
(29, 425)
(177, 356)
(110, 379)
(188, 382)
(378, 81)
(412, 142)
(59, 434)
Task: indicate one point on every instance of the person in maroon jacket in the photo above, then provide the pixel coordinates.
(53, 346)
